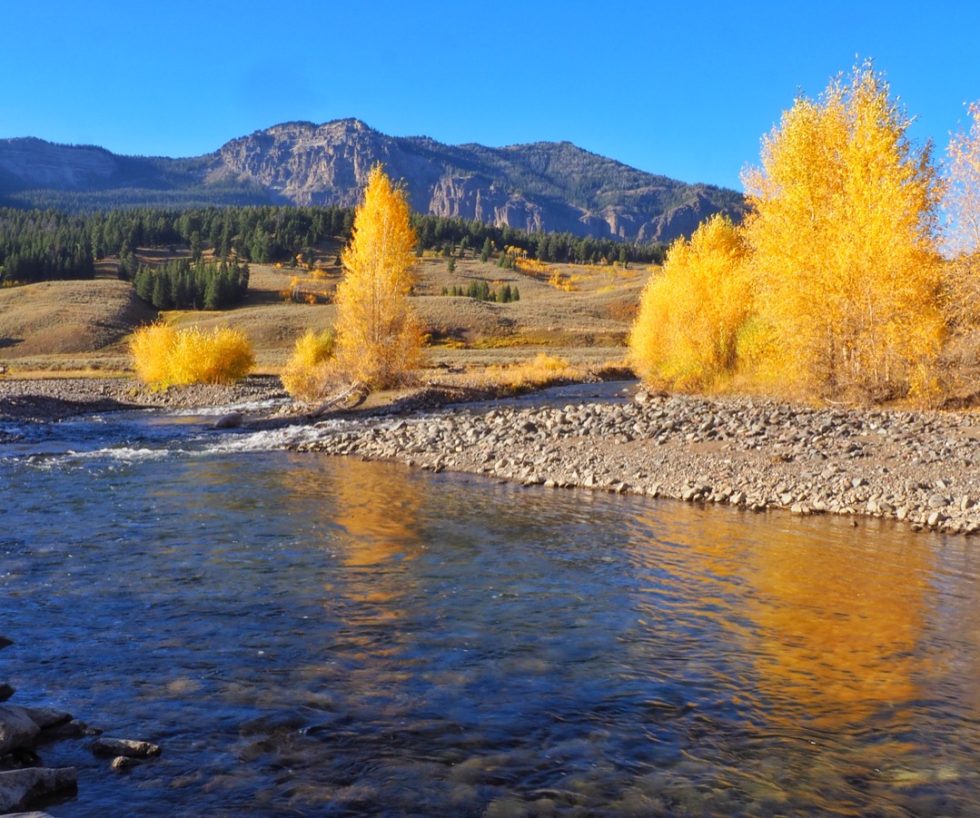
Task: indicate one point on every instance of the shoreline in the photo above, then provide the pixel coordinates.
(921, 468)
(47, 400)
(918, 468)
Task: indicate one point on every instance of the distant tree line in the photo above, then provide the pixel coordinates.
(46, 244)
(192, 285)
(482, 291)
(41, 245)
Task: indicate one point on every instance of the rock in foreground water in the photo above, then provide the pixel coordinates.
(19, 789)
(128, 748)
(17, 729)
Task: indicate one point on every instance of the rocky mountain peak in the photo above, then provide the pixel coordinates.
(537, 186)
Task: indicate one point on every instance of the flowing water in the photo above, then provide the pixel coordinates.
(307, 635)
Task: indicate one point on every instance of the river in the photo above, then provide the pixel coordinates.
(307, 635)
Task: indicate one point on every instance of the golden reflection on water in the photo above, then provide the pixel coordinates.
(829, 622)
(378, 515)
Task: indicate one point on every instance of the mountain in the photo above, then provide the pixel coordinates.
(553, 186)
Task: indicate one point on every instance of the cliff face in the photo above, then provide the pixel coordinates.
(543, 186)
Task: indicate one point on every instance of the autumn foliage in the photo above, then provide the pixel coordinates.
(831, 286)
(164, 356)
(842, 233)
(961, 290)
(542, 370)
(690, 317)
(308, 372)
(379, 338)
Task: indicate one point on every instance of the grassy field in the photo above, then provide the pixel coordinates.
(581, 313)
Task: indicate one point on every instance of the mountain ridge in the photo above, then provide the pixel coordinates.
(536, 186)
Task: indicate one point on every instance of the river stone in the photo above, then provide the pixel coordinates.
(230, 421)
(6, 691)
(68, 729)
(121, 763)
(27, 815)
(106, 746)
(45, 717)
(5, 642)
(16, 728)
(20, 788)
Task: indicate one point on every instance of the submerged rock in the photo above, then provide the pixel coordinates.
(6, 691)
(230, 421)
(121, 763)
(21, 788)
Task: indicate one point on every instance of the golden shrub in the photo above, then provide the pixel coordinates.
(164, 356)
(692, 313)
(540, 371)
(307, 373)
(151, 348)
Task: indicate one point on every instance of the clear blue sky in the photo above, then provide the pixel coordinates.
(684, 89)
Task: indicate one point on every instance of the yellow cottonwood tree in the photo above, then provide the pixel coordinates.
(963, 200)
(687, 328)
(378, 337)
(842, 231)
(961, 284)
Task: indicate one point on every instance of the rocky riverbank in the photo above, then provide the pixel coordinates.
(46, 399)
(24, 731)
(922, 468)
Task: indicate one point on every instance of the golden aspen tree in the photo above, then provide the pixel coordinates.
(961, 288)
(691, 314)
(378, 337)
(842, 231)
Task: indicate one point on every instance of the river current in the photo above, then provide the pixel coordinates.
(318, 636)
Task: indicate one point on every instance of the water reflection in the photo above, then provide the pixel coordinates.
(318, 636)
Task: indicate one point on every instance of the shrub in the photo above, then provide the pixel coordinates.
(164, 356)
(151, 348)
(542, 370)
(691, 315)
(307, 373)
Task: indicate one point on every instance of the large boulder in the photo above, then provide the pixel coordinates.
(21, 788)
(17, 728)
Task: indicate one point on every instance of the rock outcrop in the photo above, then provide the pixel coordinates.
(543, 186)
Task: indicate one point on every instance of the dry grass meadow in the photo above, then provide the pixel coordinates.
(578, 313)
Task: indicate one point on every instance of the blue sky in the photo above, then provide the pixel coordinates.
(684, 89)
